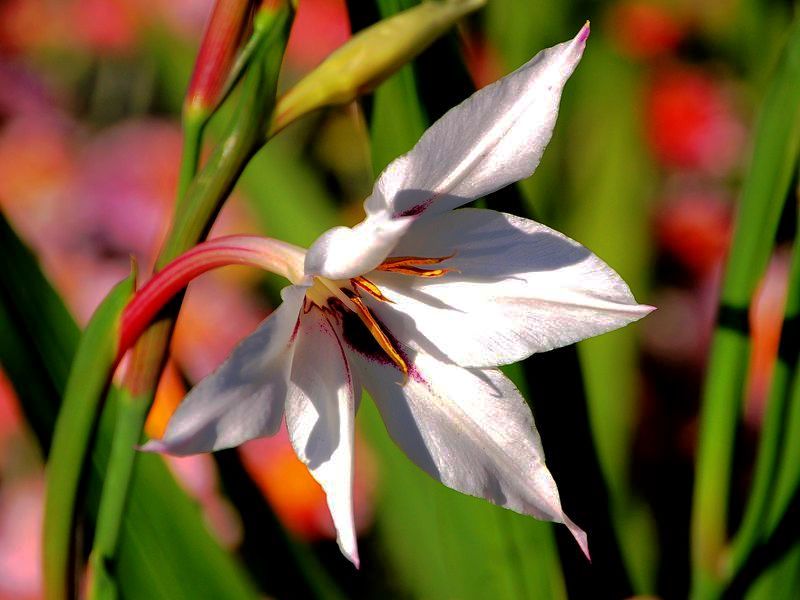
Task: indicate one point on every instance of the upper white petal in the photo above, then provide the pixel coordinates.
(517, 288)
(320, 412)
(244, 398)
(494, 138)
(469, 429)
(344, 252)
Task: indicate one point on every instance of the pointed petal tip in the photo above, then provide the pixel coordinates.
(351, 554)
(583, 34)
(580, 537)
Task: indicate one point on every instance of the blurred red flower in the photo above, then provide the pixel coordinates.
(691, 122)
(694, 227)
(643, 29)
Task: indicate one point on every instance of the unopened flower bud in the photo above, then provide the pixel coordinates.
(370, 57)
(221, 41)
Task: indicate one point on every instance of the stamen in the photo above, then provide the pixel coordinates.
(369, 287)
(407, 265)
(351, 300)
(375, 329)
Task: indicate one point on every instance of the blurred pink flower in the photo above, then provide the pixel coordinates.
(105, 25)
(320, 26)
(21, 506)
(10, 418)
(30, 25)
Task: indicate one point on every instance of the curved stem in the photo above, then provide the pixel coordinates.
(271, 255)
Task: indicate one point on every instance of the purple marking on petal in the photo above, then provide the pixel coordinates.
(297, 324)
(359, 338)
(415, 210)
(331, 329)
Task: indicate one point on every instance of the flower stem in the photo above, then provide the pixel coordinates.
(193, 126)
(271, 255)
(194, 216)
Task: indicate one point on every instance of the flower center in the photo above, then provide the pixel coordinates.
(327, 294)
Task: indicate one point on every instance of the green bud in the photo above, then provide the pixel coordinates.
(369, 58)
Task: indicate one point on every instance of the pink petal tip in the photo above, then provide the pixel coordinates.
(580, 537)
(583, 34)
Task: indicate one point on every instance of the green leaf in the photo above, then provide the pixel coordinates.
(39, 335)
(86, 386)
(775, 474)
(611, 180)
(780, 581)
(775, 152)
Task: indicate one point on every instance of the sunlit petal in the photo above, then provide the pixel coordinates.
(344, 252)
(515, 287)
(320, 410)
(469, 429)
(492, 139)
(244, 398)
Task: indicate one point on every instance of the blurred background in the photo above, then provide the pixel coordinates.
(644, 168)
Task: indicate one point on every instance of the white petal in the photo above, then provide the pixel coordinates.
(494, 138)
(344, 252)
(244, 398)
(469, 429)
(320, 411)
(517, 288)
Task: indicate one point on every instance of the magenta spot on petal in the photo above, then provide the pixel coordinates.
(296, 326)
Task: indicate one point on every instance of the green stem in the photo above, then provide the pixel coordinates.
(775, 153)
(194, 119)
(773, 433)
(193, 126)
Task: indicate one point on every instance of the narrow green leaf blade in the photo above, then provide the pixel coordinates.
(775, 152)
(80, 410)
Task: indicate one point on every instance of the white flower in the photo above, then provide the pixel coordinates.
(420, 303)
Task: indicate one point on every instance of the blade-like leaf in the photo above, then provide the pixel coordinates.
(775, 152)
(80, 411)
(611, 183)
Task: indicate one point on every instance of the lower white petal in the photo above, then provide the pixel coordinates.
(244, 398)
(320, 410)
(469, 429)
(516, 287)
